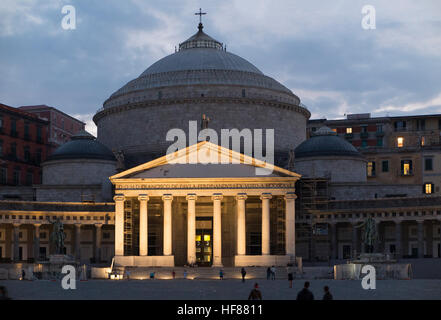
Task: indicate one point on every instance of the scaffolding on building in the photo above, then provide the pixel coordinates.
(313, 195)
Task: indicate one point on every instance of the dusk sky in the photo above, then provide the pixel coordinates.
(318, 50)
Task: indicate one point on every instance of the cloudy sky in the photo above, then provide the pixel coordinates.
(319, 50)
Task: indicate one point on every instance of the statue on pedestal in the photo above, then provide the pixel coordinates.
(57, 236)
(119, 155)
(370, 235)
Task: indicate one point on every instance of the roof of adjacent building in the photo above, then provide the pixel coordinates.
(325, 142)
(83, 145)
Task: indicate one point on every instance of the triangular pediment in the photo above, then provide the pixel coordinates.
(204, 160)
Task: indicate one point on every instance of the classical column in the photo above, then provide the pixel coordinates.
(191, 228)
(37, 241)
(354, 239)
(119, 224)
(241, 224)
(16, 253)
(377, 246)
(143, 225)
(398, 240)
(265, 197)
(420, 238)
(290, 225)
(334, 248)
(167, 244)
(78, 241)
(217, 230)
(98, 227)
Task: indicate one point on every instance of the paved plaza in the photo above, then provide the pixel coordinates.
(419, 289)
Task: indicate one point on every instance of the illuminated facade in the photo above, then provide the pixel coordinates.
(207, 214)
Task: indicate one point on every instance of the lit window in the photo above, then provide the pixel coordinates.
(335, 130)
(198, 237)
(400, 142)
(428, 188)
(371, 169)
(406, 167)
(423, 141)
(348, 130)
(207, 237)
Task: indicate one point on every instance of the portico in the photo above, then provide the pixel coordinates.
(248, 219)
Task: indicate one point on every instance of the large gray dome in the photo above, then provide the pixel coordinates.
(201, 78)
(206, 63)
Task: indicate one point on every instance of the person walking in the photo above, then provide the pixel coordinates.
(327, 295)
(185, 274)
(273, 273)
(173, 274)
(268, 273)
(290, 279)
(305, 294)
(243, 272)
(255, 293)
(221, 274)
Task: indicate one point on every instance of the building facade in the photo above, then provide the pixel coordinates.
(23, 146)
(61, 125)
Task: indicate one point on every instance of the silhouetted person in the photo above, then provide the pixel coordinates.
(221, 274)
(255, 294)
(4, 293)
(243, 272)
(327, 295)
(273, 273)
(305, 294)
(23, 274)
(268, 273)
(290, 279)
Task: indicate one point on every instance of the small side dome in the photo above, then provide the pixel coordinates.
(325, 142)
(83, 145)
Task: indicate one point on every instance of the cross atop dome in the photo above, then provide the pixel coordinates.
(200, 14)
(200, 39)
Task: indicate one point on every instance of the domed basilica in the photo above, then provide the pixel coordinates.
(122, 199)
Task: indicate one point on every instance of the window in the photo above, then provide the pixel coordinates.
(364, 143)
(379, 142)
(406, 167)
(348, 130)
(421, 124)
(27, 153)
(106, 235)
(400, 125)
(42, 235)
(371, 169)
(379, 128)
(1, 123)
(14, 150)
(423, 141)
(13, 127)
(29, 178)
(400, 142)
(38, 156)
(3, 175)
(39, 134)
(16, 176)
(26, 130)
(364, 129)
(385, 165)
(428, 164)
(335, 130)
(428, 188)
(243, 93)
